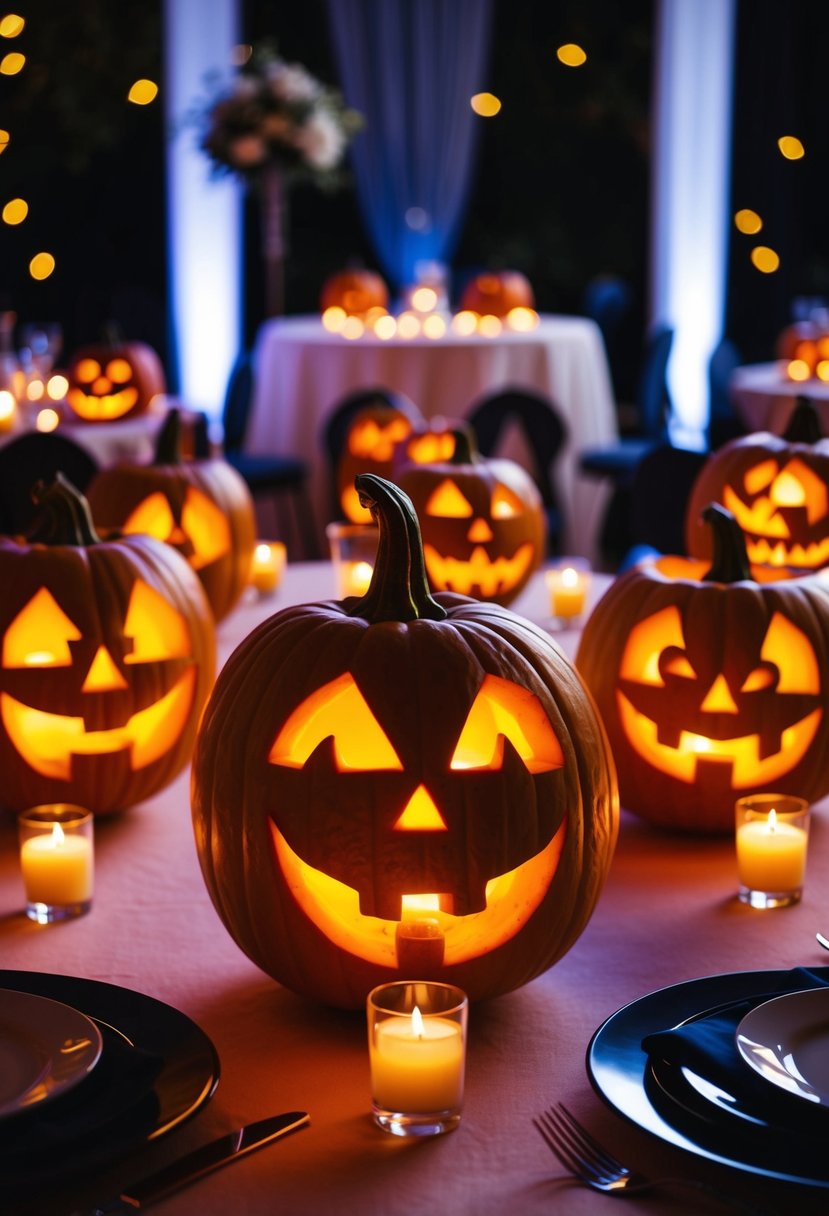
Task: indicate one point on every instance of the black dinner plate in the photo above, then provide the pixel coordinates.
(157, 1069)
(679, 1108)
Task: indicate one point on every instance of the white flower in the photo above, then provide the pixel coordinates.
(291, 82)
(247, 151)
(321, 140)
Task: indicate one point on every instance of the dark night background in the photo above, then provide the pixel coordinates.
(561, 190)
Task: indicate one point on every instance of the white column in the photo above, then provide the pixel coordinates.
(204, 222)
(692, 105)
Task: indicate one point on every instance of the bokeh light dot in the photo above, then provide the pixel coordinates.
(485, 105)
(47, 419)
(11, 25)
(12, 63)
(571, 55)
(765, 259)
(41, 265)
(747, 221)
(791, 147)
(142, 92)
(15, 211)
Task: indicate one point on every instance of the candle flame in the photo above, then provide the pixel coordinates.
(417, 1023)
(569, 577)
(57, 836)
(772, 820)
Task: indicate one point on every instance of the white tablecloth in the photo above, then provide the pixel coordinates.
(764, 398)
(303, 371)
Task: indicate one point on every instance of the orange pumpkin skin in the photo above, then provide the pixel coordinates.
(710, 686)
(497, 293)
(111, 381)
(482, 522)
(108, 655)
(777, 488)
(355, 291)
(203, 508)
(411, 667)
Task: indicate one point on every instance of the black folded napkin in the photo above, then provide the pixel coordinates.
(708, 1047)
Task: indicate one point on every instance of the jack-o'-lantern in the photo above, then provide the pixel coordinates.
(777, 488)
(431, 442)
(711, 685)
(804, 349)
(203, 508)
(400, 785)
(496, 293)
(113, 379)
(356, 292)
(371, 441)
(107, 656)
(482, 522)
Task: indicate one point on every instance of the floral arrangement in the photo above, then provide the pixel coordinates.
(276, 114)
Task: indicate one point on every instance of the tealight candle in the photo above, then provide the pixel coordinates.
(568, 583)
(772, 839)
(417, 1053)
(267, 566)
(353, 552)
(57, 861)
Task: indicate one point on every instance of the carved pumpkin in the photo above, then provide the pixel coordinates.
(203, 508)
(711, 685)
(108, 654)
(777, 488)
(496, 293)
(482, 521)
(371, 443)
(112, 380)
(804, 347)
(355, 292)
(401, 785)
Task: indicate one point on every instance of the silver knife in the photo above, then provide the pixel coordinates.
(201, 1161)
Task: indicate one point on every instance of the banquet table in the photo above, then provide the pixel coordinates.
(668, 913)
(302, 371)
(764, 398)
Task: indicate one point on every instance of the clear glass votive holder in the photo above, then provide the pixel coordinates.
(267, 566)
(772, 837)
(568, 584)
(57, 859)
(353, 550)
(417, 1054)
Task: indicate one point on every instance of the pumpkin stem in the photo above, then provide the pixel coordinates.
(466, 449)
(168, 441)
(804, 423)
(730, 560)
(64, 517)
(399, 588)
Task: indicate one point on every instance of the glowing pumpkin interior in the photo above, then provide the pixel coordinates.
(758, 728)
(500, 711)
(202, 534)
(776, 506)
(42, 637)
(101, 393)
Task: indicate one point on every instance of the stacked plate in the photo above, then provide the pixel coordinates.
(755, 1097)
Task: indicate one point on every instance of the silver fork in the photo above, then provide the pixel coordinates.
(591, 1163)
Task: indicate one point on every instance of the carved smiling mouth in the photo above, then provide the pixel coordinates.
(48, 741)
(489, 575)
(742, 751)
(334, 907)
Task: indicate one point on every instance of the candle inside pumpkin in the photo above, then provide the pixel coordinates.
(417, 1063)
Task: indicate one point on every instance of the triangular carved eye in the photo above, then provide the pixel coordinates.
(153, 516)
(40, 634)
(207, 528)
(760, 476)
(505, 504)
(157, 629)
(647, 641)
(791, 652)
(338, 711)
(502, 710)
(448, 502)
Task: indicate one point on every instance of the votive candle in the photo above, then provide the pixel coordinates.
(772, 835)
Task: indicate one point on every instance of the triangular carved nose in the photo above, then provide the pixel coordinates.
(480, 532)
(103, 675)
(420, 814)
(718, 699)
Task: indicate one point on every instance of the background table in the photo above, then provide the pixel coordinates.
(764, 398)
(668, 913)
(303, 371)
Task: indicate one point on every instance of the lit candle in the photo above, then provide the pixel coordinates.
(354, 578)
(417, 1064)
(568, 591)
(57, 868)
(267, 566)
(771, 854)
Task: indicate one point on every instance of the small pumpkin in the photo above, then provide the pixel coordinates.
(482, 522)
(496, 293)
(108, 654)
(201, 507)
(355, 291)
(113, 379)
(711, 685)
(401, 785)
(804, 348)
(371, 442)
(777, 488)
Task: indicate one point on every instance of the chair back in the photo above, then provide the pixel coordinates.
(659, 495)
(32, 457)
(544, 431)
(237, 402)
(653, 399)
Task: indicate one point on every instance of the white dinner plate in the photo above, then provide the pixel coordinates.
(786, 1040)
(46, 1047)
